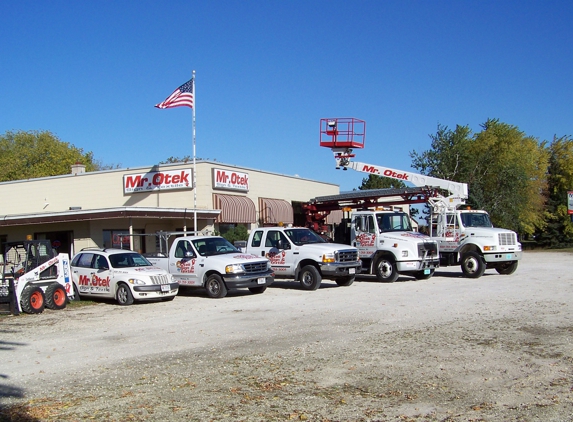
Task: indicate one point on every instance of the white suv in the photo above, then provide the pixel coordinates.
(120, 274)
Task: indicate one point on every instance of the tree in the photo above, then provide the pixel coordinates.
(373, 181)
(33, 154)
(503, 167)
(236, 233)
(558, 231)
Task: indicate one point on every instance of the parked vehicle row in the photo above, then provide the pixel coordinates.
(209, 262)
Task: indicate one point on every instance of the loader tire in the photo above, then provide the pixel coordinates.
(33, 300)
(56, 296)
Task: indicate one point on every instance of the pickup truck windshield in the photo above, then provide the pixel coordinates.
(303, 236)
(214, 246)
(128, 260)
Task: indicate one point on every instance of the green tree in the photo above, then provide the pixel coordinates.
(503, 167)
(33, 154)
(373, 181)
(236, 233)
(558, 231)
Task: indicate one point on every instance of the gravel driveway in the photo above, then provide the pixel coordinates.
(499, 348)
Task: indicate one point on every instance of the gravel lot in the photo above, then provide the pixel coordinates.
(499, 348)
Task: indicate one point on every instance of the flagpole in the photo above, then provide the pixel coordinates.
(194, 161)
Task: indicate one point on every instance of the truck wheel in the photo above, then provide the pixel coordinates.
(421, 276)
(258, 290)
(345, 281)
(123, 295)
(33, 300)
(507, 268)
(386, 270)
(215, 287)
(309, 278)
(56, 296)
(472, 265)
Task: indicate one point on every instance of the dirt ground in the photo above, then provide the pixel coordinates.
(498, 348)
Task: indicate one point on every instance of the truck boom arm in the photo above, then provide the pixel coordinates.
(456, 189)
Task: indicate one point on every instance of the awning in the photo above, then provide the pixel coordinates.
(274, 211)
(234, 209)
(104, 214)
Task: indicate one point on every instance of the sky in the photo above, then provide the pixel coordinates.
(90, 72)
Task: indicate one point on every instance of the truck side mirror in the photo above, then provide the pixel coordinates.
(283, 245)
(189, 254)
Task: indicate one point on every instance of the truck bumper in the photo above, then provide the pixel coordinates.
(242, 281)
(502, 256)
(340, 269)
(405, 266)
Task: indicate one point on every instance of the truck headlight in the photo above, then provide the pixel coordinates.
(136, 281)
(328, 258)
(234, 269)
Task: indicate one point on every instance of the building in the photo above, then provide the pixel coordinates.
(113, 208)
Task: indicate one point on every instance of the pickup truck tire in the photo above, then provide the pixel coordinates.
(56, 296)
(385, 269)
(309, 277)
(215, 287)
(345, 281)
(507, 268)
(258, 290)
(472, 265)
(123, 295)
(33, 300)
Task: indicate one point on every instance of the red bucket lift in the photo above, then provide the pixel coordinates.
(342, 133)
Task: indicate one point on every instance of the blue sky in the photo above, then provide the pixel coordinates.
(267, 71)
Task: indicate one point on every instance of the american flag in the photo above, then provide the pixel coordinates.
(181, 97)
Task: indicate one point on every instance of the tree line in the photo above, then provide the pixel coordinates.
(521, 181)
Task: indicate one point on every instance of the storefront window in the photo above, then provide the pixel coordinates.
(120, 239)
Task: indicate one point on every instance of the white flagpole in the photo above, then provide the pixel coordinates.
(194, 162)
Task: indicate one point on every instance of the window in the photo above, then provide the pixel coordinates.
(120, 239)
(257, 237)
(183, 248)
(83, 260)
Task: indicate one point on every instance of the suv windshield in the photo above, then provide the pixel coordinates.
(214, 246)
(303, 236)
(127, 260)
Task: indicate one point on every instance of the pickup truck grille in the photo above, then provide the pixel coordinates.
(347, 256)
(255, 267)
(160, 279)
(427, 249)
(507, 239)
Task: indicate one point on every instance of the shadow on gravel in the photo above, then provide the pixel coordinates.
(295, 285)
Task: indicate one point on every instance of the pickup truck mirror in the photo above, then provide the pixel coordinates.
(283, 245)
(189, 254)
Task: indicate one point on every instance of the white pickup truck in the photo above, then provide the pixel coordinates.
(300, 254)
(215, 264)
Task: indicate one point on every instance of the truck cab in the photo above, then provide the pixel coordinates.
(389, 247)
(468, 238)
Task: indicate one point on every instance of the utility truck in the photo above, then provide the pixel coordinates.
(301, 254)
(387, 245)
(465, 237)
(34, 277)
(213, 263)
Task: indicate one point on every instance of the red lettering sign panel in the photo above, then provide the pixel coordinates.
(231, 180)
(157, 181)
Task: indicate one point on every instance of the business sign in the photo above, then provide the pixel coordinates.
(570, 202)
(231, 180)
(154, 181)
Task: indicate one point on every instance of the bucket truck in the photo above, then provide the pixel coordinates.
(465, 237)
